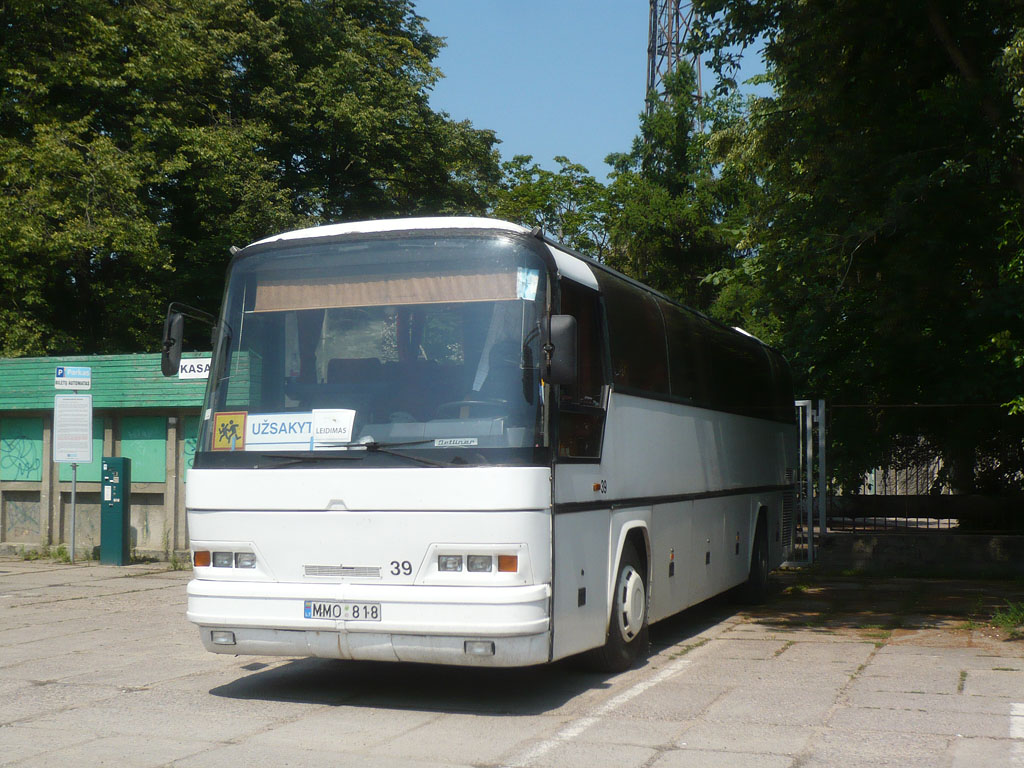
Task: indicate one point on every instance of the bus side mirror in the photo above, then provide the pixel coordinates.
(170, 352)
(561, 350)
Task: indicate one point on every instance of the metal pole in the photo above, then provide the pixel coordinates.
(805, 484)
(822, 485)
(74, 483)
(809, 477)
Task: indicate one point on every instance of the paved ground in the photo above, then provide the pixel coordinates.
(99, 667)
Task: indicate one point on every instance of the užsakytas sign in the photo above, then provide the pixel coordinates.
(312, 430)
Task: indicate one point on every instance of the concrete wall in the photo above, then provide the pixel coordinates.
(997, 514)
(927, 554)
(35, 504)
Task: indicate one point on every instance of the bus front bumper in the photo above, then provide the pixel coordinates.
(499, 627)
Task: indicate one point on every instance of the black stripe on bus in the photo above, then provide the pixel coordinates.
(565, 508)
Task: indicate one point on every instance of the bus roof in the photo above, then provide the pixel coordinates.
(395, 225)
(469, 222)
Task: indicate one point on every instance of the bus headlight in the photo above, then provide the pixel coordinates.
(204, 558)
(449, 562)
(223, 559)
(478, 563)
(245, 560)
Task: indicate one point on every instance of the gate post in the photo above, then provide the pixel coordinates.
(822, 482)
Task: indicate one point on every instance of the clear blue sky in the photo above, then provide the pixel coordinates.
(550, 77)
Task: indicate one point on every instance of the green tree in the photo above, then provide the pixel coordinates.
(138, 141)
(671, 220)
(569, 204)
(885, 231)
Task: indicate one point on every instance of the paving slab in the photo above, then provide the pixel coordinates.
(1005, 679)
(586, 754)
(638, 731)
(99, 666)
(978, 752)
(753, 738)
(699, 758)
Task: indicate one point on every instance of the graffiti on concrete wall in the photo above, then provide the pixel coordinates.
(21, 516)
(21, 459)
(188, 454)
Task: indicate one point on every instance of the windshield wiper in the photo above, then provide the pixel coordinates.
(387, 448)
(287, 459)
(354, 451)
(350, 451)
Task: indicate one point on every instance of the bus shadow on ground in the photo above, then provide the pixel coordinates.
(474, 690)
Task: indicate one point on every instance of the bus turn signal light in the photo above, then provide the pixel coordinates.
(201, 559)
(508, 563)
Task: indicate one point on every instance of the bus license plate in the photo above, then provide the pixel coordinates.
(338, 611)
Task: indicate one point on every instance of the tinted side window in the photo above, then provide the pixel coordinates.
(687, 374)
(581, 415)
(584, 304)
(739, 373)
(636, 335)
(783, 379)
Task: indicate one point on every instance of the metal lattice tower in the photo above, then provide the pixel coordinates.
(670, 28)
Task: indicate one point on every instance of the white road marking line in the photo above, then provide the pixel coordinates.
(575, 728)
(1017, 734)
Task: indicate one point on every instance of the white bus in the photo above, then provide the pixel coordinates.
(450, 440)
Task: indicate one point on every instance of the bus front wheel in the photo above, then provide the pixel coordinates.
(627, 637)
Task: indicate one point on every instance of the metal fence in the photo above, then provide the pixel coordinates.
(914, 490)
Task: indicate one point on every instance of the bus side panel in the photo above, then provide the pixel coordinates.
(671, 585)
(653, 448)
(581, 577)
(713, 565)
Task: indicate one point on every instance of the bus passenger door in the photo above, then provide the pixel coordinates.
(582, 512)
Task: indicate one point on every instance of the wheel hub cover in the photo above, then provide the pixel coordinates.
(634, 603)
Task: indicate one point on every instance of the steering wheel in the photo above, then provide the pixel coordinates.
(491, 405)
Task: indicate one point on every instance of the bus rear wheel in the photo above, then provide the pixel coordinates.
(627, 637)
(755, 589)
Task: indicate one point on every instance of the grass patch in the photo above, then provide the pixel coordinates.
(785, 647)
(1011, 619)
(692, 646)
(963, 681)
(179, 564)
(878, 634)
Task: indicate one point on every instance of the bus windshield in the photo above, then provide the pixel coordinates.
(392, 345)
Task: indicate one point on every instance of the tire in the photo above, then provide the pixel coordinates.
(755, 589)
(627, 638)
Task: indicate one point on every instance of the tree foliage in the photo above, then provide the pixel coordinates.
(667, 216)
(885, 232)
(138, 141)
(569, 204)
(672, 213)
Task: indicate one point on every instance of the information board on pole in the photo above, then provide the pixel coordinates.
(72, 429)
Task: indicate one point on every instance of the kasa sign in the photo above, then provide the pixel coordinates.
(194, 368)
